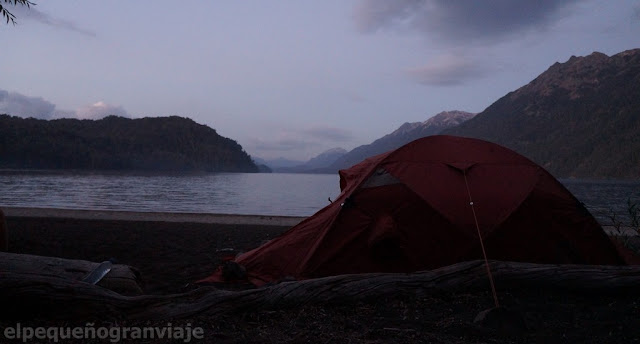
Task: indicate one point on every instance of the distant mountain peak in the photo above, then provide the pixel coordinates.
(330, 161)
(448, 118)
(406, 133)
(441, 120)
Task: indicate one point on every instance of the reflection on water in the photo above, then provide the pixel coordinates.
(231, 193)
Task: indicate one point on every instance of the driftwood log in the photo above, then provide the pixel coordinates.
(4, 233)
(56, 298)
(34, 270)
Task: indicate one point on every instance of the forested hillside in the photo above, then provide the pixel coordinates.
(117, 143)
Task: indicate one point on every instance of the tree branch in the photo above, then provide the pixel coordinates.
(8, 15)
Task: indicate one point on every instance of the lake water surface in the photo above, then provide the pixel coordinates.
(230, 193)
(227, 193)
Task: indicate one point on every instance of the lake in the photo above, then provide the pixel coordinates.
(230, 193)
(227, 193)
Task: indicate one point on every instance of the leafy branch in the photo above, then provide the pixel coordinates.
(10, 17)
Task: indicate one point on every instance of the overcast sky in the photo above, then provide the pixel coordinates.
(293, 78)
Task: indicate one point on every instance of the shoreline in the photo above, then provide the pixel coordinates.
(168, 254)
(123, 215)
(204, 218)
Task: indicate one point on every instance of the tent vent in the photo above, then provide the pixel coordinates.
(379, 178)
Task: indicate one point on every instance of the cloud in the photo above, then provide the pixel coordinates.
(300, 144)
(373, 15)
(314, 137)
(448, 70)
(32, 13)
(280, 145)
(16, 104)
(328, 133)
(460, 21)
(465, 27)
(100, 110)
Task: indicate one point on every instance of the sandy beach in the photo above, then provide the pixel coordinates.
(169, 252)
(172, 254)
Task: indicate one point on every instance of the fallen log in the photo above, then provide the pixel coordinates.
(84, 301)
(4, 235)
(122, 279)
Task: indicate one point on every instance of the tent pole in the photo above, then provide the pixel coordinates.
(484, 253)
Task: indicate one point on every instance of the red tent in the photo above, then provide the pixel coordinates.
(409, 210)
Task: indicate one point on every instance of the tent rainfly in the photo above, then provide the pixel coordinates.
(409, 209)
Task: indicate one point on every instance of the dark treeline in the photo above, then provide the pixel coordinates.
(117, 143)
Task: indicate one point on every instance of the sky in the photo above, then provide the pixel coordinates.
(293, 78)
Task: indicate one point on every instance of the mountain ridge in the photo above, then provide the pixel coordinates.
(577, 119)
(406, 133)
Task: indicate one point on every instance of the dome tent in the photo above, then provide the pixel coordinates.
(409, 209)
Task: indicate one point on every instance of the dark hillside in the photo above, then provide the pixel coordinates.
(578, 119)
(117, 143)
